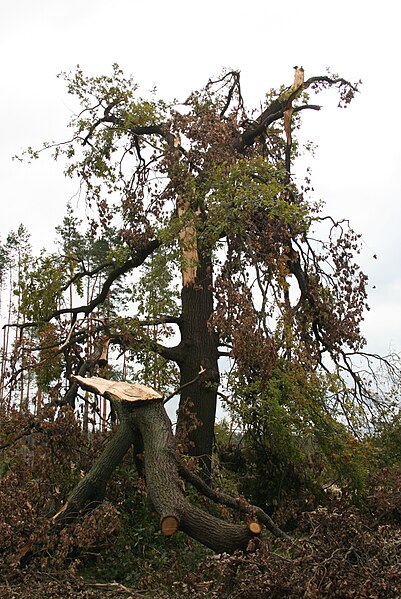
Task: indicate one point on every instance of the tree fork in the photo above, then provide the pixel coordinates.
(138, 409)
(166, 490)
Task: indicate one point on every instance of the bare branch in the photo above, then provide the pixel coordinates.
(177, 391)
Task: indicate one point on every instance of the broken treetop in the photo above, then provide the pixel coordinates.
(120, 390)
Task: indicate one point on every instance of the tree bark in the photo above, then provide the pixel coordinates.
(163, 483)
(196, 417)
(236, 503)
(166, 489)
(90, 490)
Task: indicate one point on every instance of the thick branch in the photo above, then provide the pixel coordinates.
(157, 129)
(113, 276)
(237, 504)
(141, 408)
(165, 488)
(87, 365)
(275, 111)
(86, 273)
(90, 490)
(307, 107)
(169, 353)
(102, 295)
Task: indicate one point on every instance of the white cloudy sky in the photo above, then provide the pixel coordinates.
(178, 45)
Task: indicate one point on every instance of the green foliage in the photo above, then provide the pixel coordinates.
(155, 295)
(3, 261)
(50, 365)
(41, 286)
(155, 171)
(235, 191)
(289, 445)
(108, 97)
(86, 250)
(156, 291)
(387, 441)
(120, 541)
(140, 553)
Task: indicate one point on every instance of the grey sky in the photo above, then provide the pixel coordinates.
(178, 45)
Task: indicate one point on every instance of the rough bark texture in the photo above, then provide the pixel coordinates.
(251, 511)
(199, 350)
(214, 533)
(164, 485)
(90, 490)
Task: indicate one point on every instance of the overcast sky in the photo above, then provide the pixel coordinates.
(177, 45)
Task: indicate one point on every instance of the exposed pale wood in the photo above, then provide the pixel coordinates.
(164, 486)
(169, 525)
(297, 86)
(189, 246)
(119, 389)
(254, 527)
(116, 585)
(104, 356)
(299, 77)
(287, 124)
(63, 509)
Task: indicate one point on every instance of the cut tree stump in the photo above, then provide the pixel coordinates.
(169, 525)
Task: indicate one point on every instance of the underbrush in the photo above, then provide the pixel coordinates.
(344, 546)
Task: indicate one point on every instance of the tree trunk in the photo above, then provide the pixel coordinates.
(163, 483)
(196, 417)
(166, 489)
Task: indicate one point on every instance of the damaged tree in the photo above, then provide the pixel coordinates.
(141, 411)
(203, 189)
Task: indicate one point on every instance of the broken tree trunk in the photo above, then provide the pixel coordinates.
(141, 408)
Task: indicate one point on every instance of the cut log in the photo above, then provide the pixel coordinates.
(255, 528)
(169, 525)
(246, 508)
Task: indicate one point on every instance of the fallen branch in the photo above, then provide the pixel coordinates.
(239, 504)
(188, 384)
(109, 585)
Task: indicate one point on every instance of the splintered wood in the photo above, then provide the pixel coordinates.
(119, 389)
(104, 357)
(299, 76)
(189, 246)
